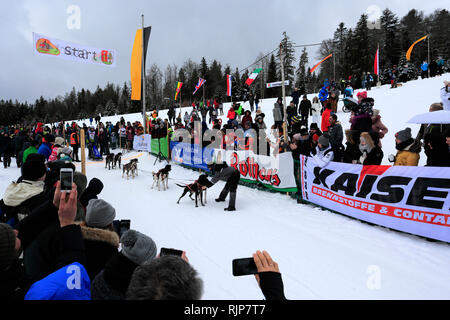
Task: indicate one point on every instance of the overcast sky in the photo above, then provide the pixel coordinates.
(234, 32)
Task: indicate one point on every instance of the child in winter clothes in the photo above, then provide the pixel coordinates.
(408, 149)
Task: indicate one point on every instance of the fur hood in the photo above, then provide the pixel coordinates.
(101, 235)
(17, 193)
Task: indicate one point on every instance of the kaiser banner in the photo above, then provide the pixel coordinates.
(46, 46)
(410, 199)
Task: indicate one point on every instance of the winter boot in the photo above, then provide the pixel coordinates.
(232, 203)
(222, 195)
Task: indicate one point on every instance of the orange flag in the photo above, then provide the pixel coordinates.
(315, 67)
(408, 53)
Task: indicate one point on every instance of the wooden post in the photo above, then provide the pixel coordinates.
(83, 155)
(168, 143)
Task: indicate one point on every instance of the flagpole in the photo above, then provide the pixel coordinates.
(429, 61)
(283, 92)
(378, 66)
(143, 77)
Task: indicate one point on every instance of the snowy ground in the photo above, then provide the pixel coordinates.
(321, 255)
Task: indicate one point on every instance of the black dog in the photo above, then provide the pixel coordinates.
(117, 158)
(109, 161)
(162, 176)
(196, 188)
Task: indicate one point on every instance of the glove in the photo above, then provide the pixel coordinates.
(391, 158)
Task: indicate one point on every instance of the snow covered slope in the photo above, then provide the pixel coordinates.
(321, 255)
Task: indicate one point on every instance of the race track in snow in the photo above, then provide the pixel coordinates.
(321, 255)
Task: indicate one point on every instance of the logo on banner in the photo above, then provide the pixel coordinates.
(45, 46)
(249, 168)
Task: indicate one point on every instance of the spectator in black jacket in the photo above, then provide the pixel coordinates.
(305, 109)
(371, 153)
(351, 153)
(13, 280)
(336, 137)
(113, 281)
(296, 97)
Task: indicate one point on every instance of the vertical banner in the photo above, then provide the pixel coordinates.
(179, 85)
(52, 47)
(229, 86)
(136, 62)
(415, 200)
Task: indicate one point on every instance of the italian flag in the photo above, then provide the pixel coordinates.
(253, 76)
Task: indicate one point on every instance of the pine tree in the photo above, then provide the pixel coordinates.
(272, 77)
(301, 82)
(288, 50)
(361, 38)
(390, 46)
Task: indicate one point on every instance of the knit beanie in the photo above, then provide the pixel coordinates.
(404, 135)
(80, 181)
(324, 141)
(99, 213)
(138, 247)
(34, 167)
(59, 141)
(7, 246)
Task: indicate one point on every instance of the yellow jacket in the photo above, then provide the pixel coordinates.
(409, 156)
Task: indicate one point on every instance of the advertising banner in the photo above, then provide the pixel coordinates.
(276, 173)
(46, 46)
(410, 199)
(142, 142)
(191, 155)
(277, 84)
(159, 145)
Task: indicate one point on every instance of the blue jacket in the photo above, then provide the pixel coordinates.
(68, 283)
(425, 67)
(45, 149)
(323, 94)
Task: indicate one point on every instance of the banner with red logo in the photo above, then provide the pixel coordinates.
(46, 46)
(276, 173)
(415, 200)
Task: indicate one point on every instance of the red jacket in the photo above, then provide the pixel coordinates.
(231, 114)
(325, 120)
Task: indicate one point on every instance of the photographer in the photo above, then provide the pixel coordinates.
(268, 276)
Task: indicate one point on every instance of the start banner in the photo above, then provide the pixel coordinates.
(411, 199)
(46, 46)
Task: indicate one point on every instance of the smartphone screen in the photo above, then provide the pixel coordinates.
(66, 179)
(173, 252)
(243, 267)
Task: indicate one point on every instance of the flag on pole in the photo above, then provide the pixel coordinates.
(315, 67)
(229, 79)
(253, 76)
(199, 84)
(179, 85)
(376, 67)
(137, 58)
(408, 53)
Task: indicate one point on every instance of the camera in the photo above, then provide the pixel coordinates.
(121, 226)
(243, 267)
